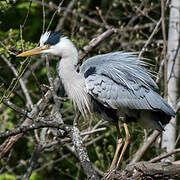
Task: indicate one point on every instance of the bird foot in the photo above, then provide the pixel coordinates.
(110, 175)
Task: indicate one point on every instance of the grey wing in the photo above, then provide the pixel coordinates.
(119, 81)
(120, 67)
(118, 96)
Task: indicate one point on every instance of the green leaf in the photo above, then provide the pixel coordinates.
(7, 177)
(35, 176)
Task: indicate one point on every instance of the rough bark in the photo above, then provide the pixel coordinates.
(148, 171)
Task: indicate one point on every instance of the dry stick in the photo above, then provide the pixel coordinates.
(52, 88)
(36, 125)
(158, 158)
(102, 18)
(40, 106)
(164, 47)
(15, 108)
(53, 162)
(53, 6)
(93, 131)
(94, 128)
(6, 48)
(22, 26)
(23, 86)
(25, 20)
(94, 42)
(95, 140)
(132, 20)
(145, 146)
(151, 36)
(57, 9)
(35, 66)
(32, 163)
(44, 16)
(160, 71)
(65, 14)
(69, 154)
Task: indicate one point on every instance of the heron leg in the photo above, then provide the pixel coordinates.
(118, 146)
(127, 140)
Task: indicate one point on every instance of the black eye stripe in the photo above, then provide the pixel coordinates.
(53, 38)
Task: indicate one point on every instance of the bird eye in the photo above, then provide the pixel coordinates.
(48, 46)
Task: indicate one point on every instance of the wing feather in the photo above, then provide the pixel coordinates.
(119, 81)
(118, 96)
(120, 67)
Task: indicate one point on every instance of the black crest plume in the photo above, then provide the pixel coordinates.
(54, 38)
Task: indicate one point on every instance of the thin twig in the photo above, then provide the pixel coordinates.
(40, 106)
(32, 162)
(65, 14)
(164, 46)
(145, 146)
(44, 16)
(36, 125)
(93, 131)
(54, 95)
(16, 108)
(58, 9)
(94, 42)
(158, 158)
(23, 86)
(150, 37)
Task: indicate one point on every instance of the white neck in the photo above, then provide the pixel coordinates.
(74, 82)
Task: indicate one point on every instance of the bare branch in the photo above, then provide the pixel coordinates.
(94, 42)
(16, 108)
(158, 158)
(82, 154)
(23, 86)
(62, 19)
(54, 95)
(41, 104)
(36, 125)
(145, 146)
(151, 36)
(147, 170)
(93, 131)
(32, 162)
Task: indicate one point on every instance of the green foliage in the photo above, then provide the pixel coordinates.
(7, 177)
(35, 176)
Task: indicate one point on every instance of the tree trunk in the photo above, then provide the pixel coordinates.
(173, 71)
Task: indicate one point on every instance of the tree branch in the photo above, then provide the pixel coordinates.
(147, 170)
(23, 86)
(145, 146)
(41, 104)
(36, 125)
(82, 155)
(158, 158)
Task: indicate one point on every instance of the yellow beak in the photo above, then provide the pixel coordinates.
(37, 50)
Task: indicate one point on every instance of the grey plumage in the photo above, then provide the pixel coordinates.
(113, 85)
(119, 81)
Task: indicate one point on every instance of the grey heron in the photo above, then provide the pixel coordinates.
(112, 85)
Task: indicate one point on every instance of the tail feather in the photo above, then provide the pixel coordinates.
(154, 119)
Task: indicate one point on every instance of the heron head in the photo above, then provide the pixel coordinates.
(50, 42)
